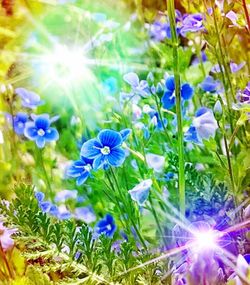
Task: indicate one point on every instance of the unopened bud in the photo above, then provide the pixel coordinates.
(218, 110)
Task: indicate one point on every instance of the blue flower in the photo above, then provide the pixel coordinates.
(29, 99)
(192, 23)
(191, 135)
(141, 191)
(39, 196)
(125, 133)
(140, 88)
(40, 131)
(160, 31)
(204, 126)
(106, 226)
(80, 169)
(105, 149)
(19, 123)
(168, 99)
(209, 84)
(85, 214)
(169, 176)
(110, 86)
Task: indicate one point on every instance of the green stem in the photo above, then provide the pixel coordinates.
(171, 14)
(233, 136)
(230, 169)
(50, 191)
(125, 204)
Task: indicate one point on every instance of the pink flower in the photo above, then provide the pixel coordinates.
(5, 237)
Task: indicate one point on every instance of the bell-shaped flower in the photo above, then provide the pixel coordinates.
(141, 191)
(155, 161)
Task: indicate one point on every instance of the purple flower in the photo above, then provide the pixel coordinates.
(139, 88)
(40, 131)
(236, 67)
(141, 191)
(192, 23)
(64, 195)
(85, 214)
(243, 97)
(198, 59)
(80, 169)
(209, 84)
(29, 99)
(105, 149)
(19, 123)
(168, 99)
(106, 226)
(159, 31)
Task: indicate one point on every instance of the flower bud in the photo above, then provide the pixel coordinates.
(159, 89)
(218, 110)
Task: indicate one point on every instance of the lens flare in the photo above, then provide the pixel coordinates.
(205, 240)
(65, 65)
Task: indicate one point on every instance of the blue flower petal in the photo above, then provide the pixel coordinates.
(201, 111)
(110, 138)
(139, 196)
(116, 157)
(125, 133)
(51, 134)
(39, 196)
(132, 79)
(40, 141)
(42, 122)
(168, 100)
(45, 206)
(91, 148)
(186, 91)
(82, 178)
(30, 131)
(99, 161)
(170, 84)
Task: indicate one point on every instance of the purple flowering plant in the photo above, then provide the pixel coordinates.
(142, 177)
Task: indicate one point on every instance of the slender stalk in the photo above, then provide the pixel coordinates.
(171, 14)
(8, 266)
(50, 191)
(125, 204)
(233, 136)
(246, 14)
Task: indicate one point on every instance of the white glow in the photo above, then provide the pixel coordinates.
(65, 65)
(205, 240)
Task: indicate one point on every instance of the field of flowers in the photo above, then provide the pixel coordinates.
(124, 142)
